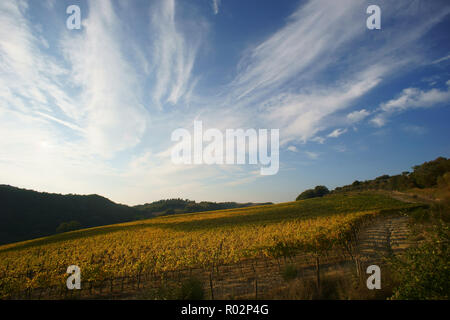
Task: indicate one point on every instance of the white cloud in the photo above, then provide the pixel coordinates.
(312, 155)
(303, 116)
(216, 5)
(292, 148)
(379, 120)
(318, 139)
(336, 133)
(416, 98)
(411, 98)
(357, 116)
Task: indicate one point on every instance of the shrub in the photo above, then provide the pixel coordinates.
(68, 226)
(191, 289)
(423, 272)
(420, 215)
(289, 272)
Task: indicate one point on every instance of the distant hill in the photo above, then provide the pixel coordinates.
(173, 206)
(27, 214)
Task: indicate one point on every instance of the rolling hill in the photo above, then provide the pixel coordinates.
(194, 240)
(27, 214)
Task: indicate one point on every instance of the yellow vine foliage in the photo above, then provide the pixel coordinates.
(189, 241)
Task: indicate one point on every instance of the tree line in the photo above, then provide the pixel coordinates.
(426, 175)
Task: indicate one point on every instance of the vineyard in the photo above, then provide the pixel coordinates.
(128, 254)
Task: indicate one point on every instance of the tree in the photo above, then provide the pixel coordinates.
(318, 191)
(426, 174)
(321, 191)
(68, 226)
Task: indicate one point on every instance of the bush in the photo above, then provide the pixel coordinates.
(164, 292)
(420, 215)
(423, 272)
(191, 289)
(289, 272)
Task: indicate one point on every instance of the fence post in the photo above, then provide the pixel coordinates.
(211, 286)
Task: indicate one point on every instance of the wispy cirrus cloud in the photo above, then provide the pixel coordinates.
(312, 33)
(79, 105)
(29, 78)
(447, 57)
(284, 75)
(174, 54)
(216, 6)
(111, 109)
(62, 118)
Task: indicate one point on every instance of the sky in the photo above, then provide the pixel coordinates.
(91, 110)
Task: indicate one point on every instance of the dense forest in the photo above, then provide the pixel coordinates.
(27, 214)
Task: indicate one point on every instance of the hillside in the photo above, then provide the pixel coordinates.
(196, 240)
(426, 175)
(27, 214)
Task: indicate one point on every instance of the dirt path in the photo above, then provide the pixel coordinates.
(409, 197)
(384, 237)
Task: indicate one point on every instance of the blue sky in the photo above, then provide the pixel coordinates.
(92, 110)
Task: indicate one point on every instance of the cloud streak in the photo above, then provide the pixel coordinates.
(216, 5)
(285, 76)
(174, 55)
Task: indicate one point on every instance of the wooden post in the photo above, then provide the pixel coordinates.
(211, 286)
(318, 272)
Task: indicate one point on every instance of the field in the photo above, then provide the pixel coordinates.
(191, 241)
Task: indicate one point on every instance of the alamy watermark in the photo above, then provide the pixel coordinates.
(374, 20)
(74, 280)
(374, 280)
(74, 20)
(236, 146)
